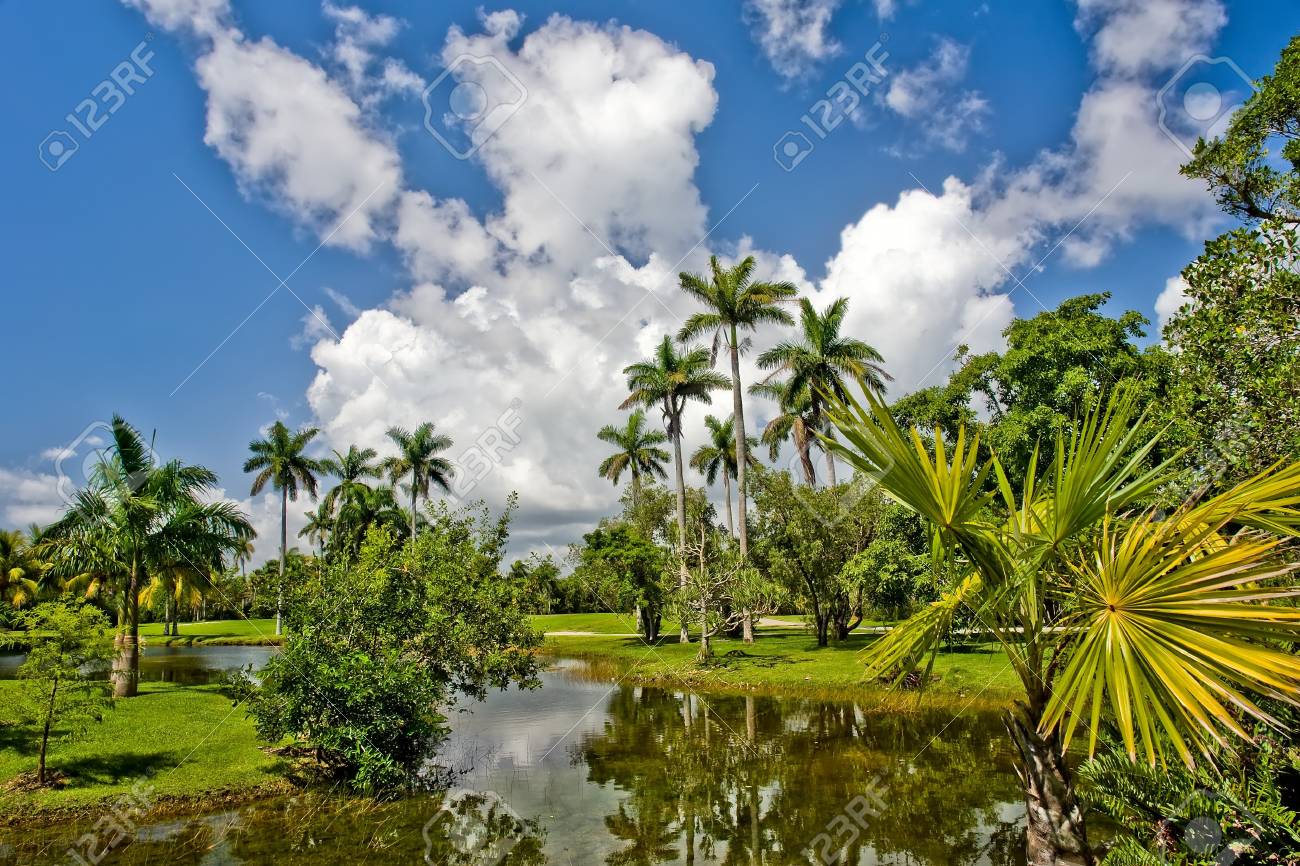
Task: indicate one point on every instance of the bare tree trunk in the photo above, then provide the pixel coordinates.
(830, 463)
(1055, 834)
(742, 487)
(726, 492)
(803, 446)
(45, 733)
(676, 432)
(413, 505)
(284, 552)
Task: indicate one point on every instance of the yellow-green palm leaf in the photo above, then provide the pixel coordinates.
(1171, 633)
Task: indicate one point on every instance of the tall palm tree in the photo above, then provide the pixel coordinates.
(718, 457)
(821, 362)
(280, 460)
(669, 380)
(793, 421)
(351, 469)
(734, 303)
(137, 520)
(1159, 623)
(638, 452)
(417, 456)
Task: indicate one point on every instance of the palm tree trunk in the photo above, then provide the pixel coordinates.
(413, 505)
(1055, 834)
(676, 432)
(742, 457)
(284, 553)
(726, 492)
(830, 461)
(802, 444)
(126, 661)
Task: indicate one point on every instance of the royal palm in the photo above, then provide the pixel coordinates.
(352, 469)
(718, 457)
(417, 456)
(734, 303)
(1155, 623)
(638, 452)
(281, 461)
(822, 363)
(669, 380)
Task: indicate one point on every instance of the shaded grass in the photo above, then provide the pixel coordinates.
(189, 741)
(781, 662)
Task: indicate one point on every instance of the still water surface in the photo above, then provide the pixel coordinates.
(589, 771)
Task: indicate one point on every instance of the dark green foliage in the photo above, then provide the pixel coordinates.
(378, 648)
(1056, 365)
(625, 571)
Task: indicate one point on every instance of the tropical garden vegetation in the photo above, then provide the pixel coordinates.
(1118, 519)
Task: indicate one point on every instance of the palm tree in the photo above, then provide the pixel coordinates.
(718, 457)
(734, 303)
(21, 570)
(279, 461)
(638, 452)
(793, 421)
(821, 362)
(669, 380)
(351, 469)
(374, 506)
(417, 456)
(137, 520)
(319, 524)
(1160, 622)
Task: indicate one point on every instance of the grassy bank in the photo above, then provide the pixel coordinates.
(189, 742)
(786, 662)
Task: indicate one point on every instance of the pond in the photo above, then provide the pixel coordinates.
(186, 665)
(589, 771)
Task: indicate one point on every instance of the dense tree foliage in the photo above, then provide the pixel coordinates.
(379, 647)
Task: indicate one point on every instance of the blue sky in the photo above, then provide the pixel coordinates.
(1004, 141)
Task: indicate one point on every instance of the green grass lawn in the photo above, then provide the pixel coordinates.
(785, 661)
(224, 632)
(188, 740)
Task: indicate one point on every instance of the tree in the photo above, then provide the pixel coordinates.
(669, 380)
(806, 536)
(378, 649)
(793, 421)
(21, 570)
(68, 644)
(821, 362)
(417, 456)
(1247, 178)
(1057, 365)
(638, 452)
(280, 460)
(1154, 622)
(1236, 355)
(136, 520)
(616, 563)
(734, 303)
(319, 525)
(718, 457)
(351, 469)
(539, 577)
(370, 507)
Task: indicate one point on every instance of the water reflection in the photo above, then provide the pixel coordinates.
(587, 771)
(189, 666)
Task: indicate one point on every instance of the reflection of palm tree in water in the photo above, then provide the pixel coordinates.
(742, 781)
